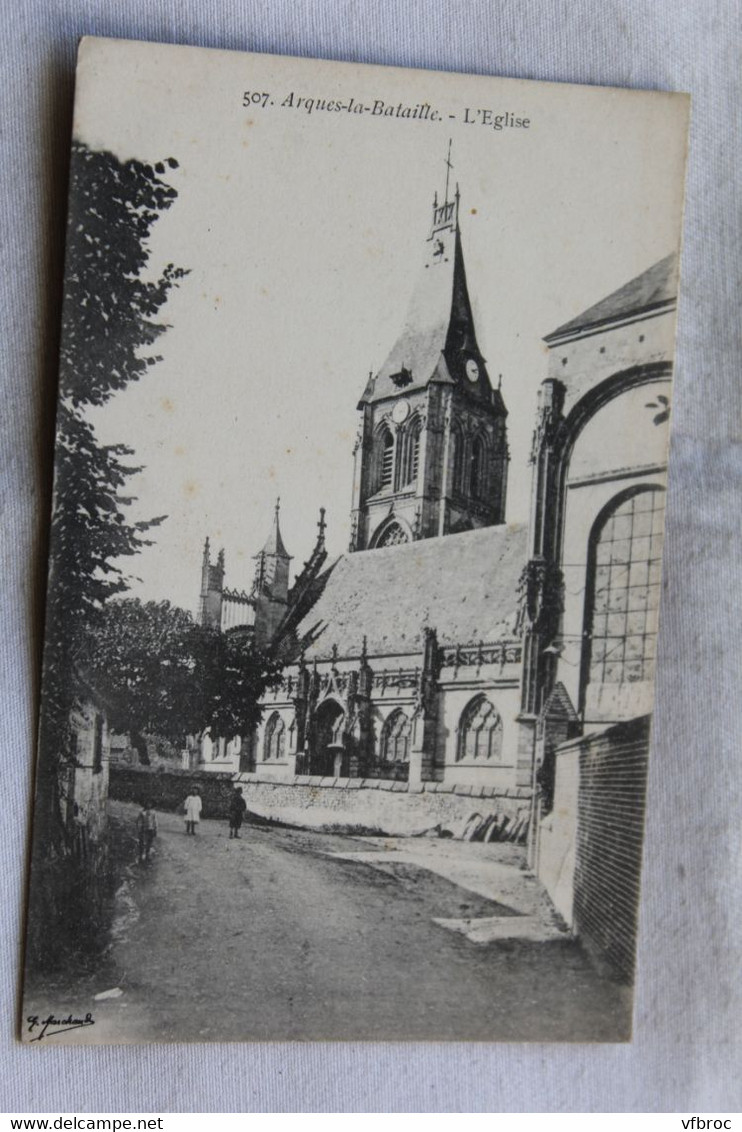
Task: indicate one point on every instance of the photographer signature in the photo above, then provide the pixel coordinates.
(51, 1026)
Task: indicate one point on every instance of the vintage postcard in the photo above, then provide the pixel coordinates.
(361, 460)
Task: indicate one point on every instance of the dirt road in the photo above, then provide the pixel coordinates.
(275, 937)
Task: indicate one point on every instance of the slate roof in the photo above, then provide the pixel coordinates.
(559, 705)
(439, 318)
(655, 288)
(464, 586)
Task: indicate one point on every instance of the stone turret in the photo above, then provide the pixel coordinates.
(271, 585)
(212, 587)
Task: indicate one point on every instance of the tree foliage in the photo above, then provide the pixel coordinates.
(112, 298)
(160, 672)
(231, 675)
(110, 306)
(109, 326)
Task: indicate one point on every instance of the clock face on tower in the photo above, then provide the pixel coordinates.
(401, 411)
(472, 370)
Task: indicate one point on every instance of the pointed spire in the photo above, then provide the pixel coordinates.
(274, 546)
(440, 319)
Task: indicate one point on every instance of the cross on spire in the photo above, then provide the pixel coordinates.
(449, 167)
(445, 211)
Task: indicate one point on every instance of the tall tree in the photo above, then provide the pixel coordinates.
(231, 675)
(109, 326)
(162, 673)
(143, 657)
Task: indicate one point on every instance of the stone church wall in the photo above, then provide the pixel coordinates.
(583, 363)
(383, 806)
(602, 467)
(454, 699)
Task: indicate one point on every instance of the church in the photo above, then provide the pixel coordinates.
(450, 649)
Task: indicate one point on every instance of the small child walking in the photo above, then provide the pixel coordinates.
(147, 830)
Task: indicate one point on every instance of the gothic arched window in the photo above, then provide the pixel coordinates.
(477, 475)
(386, 459)
(480, 731)
(275, 738)
(411, 452)
(395, 739)
(623, 589)
(392, 535)
(457, 460)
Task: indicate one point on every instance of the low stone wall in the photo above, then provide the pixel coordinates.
(382, 806)
(340, 804)
(167, 789)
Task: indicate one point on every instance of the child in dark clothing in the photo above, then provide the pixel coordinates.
(147, 830)
(237, 807)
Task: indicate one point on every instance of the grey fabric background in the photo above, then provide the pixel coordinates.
(685, 1055)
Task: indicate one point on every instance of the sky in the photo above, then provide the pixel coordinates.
(303, 233)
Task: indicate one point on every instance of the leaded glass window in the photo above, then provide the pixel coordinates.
(626, 555)
(394, 535)
(275, 738)
(396, 738)
(480, 732)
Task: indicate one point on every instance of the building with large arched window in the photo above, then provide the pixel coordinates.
(449, 647)
(600, 463)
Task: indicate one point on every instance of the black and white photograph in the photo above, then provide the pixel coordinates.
(364, 405)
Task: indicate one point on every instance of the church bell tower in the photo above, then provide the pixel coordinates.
(431, 457)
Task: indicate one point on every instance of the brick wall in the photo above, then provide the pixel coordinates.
(610, 831)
